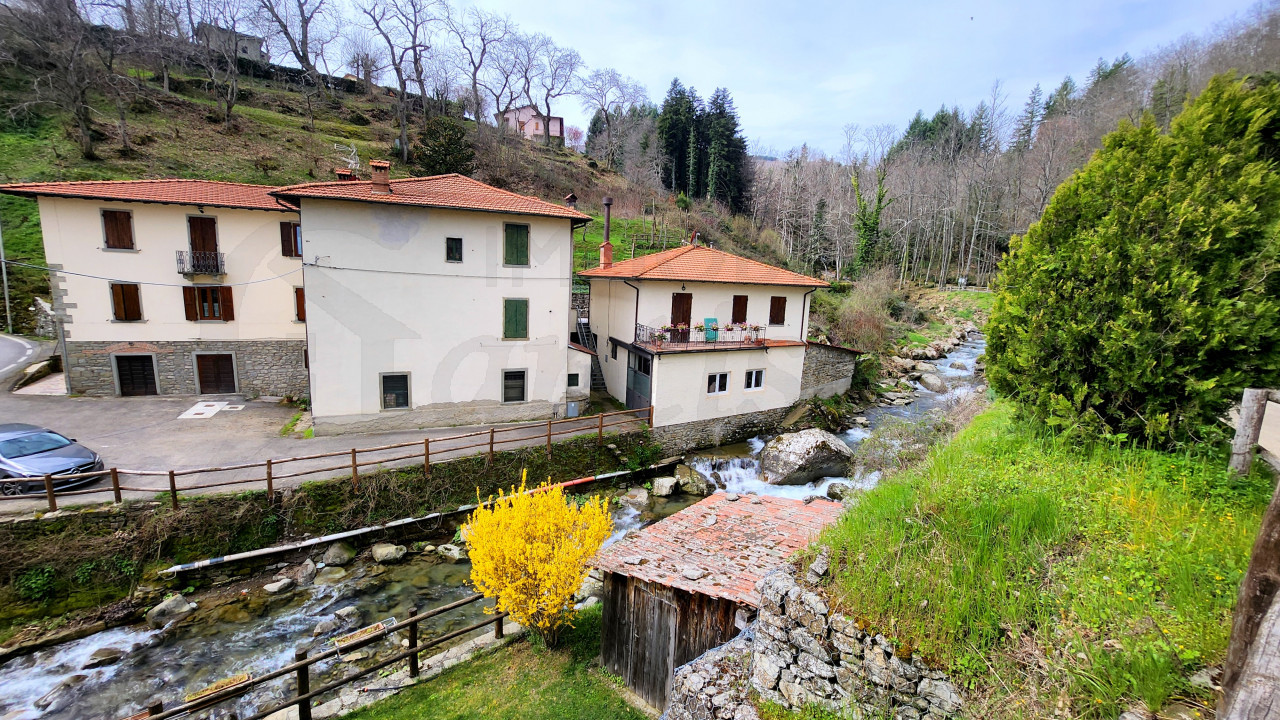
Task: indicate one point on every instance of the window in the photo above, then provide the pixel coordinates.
(299, 304)
(739, 309)
(395, 391)
(755, 380)
(126, 305)
(117, 228)
(453, 249)
(777, 310)
(203, 233)
(291, 239)
(515, 319)
(208, 302)
(515, 249)
(573, 379)
(613, 351)
(717, 383)
(513, 388)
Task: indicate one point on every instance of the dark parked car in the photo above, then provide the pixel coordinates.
(29, 452)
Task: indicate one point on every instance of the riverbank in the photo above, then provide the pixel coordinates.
(1052, 579)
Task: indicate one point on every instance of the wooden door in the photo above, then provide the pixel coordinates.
(681, 314)
(204, 234)
(216, 374)
(137, 375)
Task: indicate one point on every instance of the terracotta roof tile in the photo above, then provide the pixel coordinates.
(171, 191)
(730, 543)
(702, 264)
(456, 192)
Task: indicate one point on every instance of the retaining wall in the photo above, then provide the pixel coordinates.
(263, 367)
(680, 438)
(828, 371)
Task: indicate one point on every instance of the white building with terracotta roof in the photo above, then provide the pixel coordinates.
(700, 334)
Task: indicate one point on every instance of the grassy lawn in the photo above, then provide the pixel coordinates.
(520, 681)
(1033, 569)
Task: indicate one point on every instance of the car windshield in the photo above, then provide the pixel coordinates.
(32, 444)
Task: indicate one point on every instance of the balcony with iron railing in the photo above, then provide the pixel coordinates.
(699, 337)
(192, 262)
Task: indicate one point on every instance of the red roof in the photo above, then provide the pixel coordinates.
(720, 547)
(170, 191)
(702, 264)
(455, 192)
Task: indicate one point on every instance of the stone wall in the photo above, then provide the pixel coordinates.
(46, 320)
(828, 370)
(676, 439)
(714, 685)
(263, 367)
(806, 654)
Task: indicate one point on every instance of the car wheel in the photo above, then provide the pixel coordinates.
(11, 487)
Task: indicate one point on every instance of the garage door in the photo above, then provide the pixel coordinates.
(137, 375)
(216, 373)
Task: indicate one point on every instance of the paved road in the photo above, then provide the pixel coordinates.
(146, 434)
(14, 354)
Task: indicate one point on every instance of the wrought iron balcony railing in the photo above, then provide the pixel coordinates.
(724, 337)
(200, 263)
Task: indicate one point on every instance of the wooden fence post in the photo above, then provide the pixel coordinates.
(490, 460)
(1258, 595)
(498, 631)
(304, 685)
(548, 439)
(600, 429)
(355, 472)
(173, 490)
(155, 709)
(115, 484)
(1252, 407)
(650, 417)
(48, 493)
(426, 457)
(413, 644)
(270, 487)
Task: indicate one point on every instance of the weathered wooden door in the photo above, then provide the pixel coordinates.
(137, 375)
(681, 314)
(638, 636)
(203, 233)
(216, 373)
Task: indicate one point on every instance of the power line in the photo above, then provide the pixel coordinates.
(141, 282)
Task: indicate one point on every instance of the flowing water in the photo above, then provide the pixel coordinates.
(253, 633)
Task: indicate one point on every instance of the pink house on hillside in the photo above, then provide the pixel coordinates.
(529, 122)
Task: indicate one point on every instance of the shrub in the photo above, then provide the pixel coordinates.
(863, 316)
(35, 584)
(1146, 297)
(529, 550)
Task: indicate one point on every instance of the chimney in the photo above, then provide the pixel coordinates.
(344, 174)
(381, 180)
(606, 248)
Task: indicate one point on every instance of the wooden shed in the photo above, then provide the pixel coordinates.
(674, 590)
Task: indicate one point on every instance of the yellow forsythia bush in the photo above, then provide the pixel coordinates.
(529, 549)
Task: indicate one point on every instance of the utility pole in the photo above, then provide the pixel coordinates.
(4, 273)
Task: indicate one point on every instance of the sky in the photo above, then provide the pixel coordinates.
(800, 72)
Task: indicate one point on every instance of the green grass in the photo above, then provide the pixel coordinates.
(287, 430)
(522, 681)
(1108, 574)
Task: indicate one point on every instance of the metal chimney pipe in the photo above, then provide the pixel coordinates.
(608, 202)
(606, 248)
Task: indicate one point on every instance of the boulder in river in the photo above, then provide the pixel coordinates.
(174, 608)
(61, 696)
(664, 486)
(388, 553)
(348, 616)
(637, 498)
(800, 458)
(279, 586)
(306, 572)
(837, 491)
(925, 367)
(957, 365)
(339, 554)
(933, 383)
(692, 481)
(103, 657)
(452, 553)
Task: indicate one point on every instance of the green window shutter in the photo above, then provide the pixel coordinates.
(516, 245)
(515, 318)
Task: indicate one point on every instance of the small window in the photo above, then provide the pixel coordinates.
(515, 319)
(777, 310)
(395, 391)
(513, 386)
(515, 249)
(291, 239)
(453, 249)
(613, 351)
(739, 309)
(299, 304)
(717, 383)
(208, 302)
(755, 379)
(117, 227)
(126, 304)
(573, 379)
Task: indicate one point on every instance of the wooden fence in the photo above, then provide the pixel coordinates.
(483, 441)
(300, 668)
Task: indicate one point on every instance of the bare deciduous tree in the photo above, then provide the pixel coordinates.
(610, 93)
(305, 26)
(477, 35)
(556, 73)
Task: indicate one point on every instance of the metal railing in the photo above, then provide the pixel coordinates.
(480, 442)
(723, 337)
(301, 667)
(191, 262)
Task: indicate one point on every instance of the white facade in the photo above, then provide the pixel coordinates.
(75, 241)
(529, 122)
(383, 299)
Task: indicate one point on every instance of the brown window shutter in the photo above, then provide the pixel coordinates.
(739, 309)
(300, 303)
(777, 310)
(228, 312)
(130, 301)
(286, 239)
(190, 302)
(117, 301)
(118, 226)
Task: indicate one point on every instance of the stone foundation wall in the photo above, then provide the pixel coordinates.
(676, 439)
(46, 320)
(804, 653)
(263, 367)
(827, 370)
